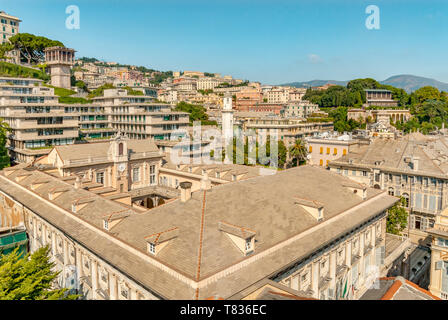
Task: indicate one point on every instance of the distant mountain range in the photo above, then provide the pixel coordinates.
(405, 81)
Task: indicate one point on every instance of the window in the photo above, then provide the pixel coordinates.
(391, 191)
(321, 150)
(311, 149)
(321, 162)
(406, 199)
(248, 244)
(335, 151)
(120, 149)
(364, 173)
(353, 172)
(100, 177)
(106, 224)
(152, 248)
(136, 174)
(328, 150)
(152, 174)
(344, 152)
(327, 162)
(417, 224)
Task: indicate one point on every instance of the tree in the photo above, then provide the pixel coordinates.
(4, 157)
(397, 218)
(30, 277)
(31, 48)
(298, 151)
(282, 154)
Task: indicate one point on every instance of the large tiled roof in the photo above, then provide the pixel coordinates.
(100, 149)
(390, 154)
(198, 251)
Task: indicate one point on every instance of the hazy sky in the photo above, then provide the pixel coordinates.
(269, 41)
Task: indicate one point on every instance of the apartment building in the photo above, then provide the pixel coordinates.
(439, 256)
(93, 121)
(380, 97)
(208, 83)
(301, 109)
(287, 129)
(37, 120)
(413, 167)
(277, 95)
(325, 147)
(316, 238)
(139, 116)
(9, 26)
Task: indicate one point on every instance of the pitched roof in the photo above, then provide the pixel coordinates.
(265, 204)
(100, 149)
(397, 288)
(390, 154)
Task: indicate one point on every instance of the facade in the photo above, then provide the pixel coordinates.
(413, 167)
(393, 114)
(139, 116)
(379, 97)
(287, 129)
(9, 26)
(107, 250)
(324, 148)
(439, 256)
(37, 120)
(208, 83)
(301, 109)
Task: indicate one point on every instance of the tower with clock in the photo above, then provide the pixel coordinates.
(118, 153)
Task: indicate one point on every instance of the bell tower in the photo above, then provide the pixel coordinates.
(118, 153)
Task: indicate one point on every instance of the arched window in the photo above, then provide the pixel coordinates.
(391, 191)
(120, 149)
(406, 199)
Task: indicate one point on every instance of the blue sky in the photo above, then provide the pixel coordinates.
(269, 41)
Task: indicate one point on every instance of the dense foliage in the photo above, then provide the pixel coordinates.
(98, 92)
(428, 105)
(12, 70)
(31, 48)
(397, 218)
(30, 277)
(197, 113)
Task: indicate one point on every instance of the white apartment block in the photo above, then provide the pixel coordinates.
(37, 120)
(139, 116)
(208, 83)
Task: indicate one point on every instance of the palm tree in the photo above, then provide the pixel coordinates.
(298, 151)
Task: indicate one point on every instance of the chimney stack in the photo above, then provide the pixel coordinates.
(185, 191)
(206, 184)
(415, 161)
(78, 183)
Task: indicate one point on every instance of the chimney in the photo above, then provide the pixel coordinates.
(185, 191)
(415, 163)
(206, 184)
(78, 183)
